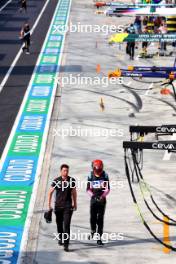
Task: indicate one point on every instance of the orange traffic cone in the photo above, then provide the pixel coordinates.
(98, 68)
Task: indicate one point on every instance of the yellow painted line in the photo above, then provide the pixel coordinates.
(166, 235)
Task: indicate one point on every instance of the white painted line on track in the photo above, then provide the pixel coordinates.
(6, 4)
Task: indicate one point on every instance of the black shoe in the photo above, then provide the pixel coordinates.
(66, 249)
(100, 243)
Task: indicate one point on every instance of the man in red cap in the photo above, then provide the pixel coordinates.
(98, 188)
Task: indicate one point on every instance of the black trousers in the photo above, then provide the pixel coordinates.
(63, 221)
(144, 44)
(131, 48)
(26, 44)
(97, 210)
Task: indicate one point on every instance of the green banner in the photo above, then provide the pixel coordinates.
(27, 144)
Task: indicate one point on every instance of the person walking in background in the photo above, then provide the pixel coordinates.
(145, 43)
(26, 37)
(163, 30)
(130, 48)
(138, 25)
(23, 4)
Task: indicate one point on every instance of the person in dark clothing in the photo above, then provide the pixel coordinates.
(144, 46)
(145, 43)
(23, 4)
(98, 188)
(65, 202)
(130, 48)
(26, 37)
(138, 25)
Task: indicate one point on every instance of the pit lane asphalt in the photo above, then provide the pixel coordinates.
(11, 21)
